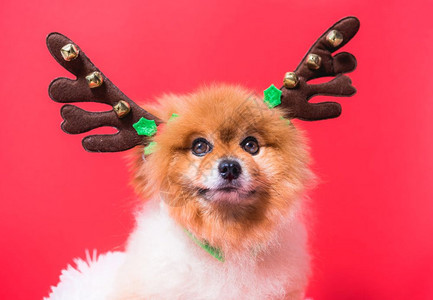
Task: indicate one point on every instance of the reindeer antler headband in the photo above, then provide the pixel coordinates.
(92, 86)
(135, 124)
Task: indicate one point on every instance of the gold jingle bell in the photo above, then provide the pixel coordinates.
(291, 80)
(94, 79)
(121, 108)
(69, 52)
(334, 38)
(314, 61)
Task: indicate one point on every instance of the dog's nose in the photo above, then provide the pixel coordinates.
(229, 169)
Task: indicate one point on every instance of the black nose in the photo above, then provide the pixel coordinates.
(229, 169)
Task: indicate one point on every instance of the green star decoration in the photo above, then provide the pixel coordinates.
(149, 149)
(145, 127)
(272, 96)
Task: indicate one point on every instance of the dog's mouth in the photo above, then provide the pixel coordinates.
(230, 193)
(227, 189)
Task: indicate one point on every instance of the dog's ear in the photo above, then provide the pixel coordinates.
(134, 124)
(319, 62)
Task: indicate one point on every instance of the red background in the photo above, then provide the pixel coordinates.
(373, 208)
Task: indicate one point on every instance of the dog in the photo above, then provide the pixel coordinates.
(223, 176)
(229, 172)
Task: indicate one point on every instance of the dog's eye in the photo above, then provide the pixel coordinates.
(250, 145)
(200, 147)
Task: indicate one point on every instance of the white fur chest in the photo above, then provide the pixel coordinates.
(163, 262)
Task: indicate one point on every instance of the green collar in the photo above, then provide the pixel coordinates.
(215, 252)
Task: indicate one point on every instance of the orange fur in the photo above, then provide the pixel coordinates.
(224, 115)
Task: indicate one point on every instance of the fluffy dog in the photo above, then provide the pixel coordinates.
(223, 184)
(231, 172)
(228, 174)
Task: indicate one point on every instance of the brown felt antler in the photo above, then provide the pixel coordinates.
(319, 62)
(92, 86)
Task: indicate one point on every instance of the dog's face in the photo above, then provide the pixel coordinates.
(228, 167)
